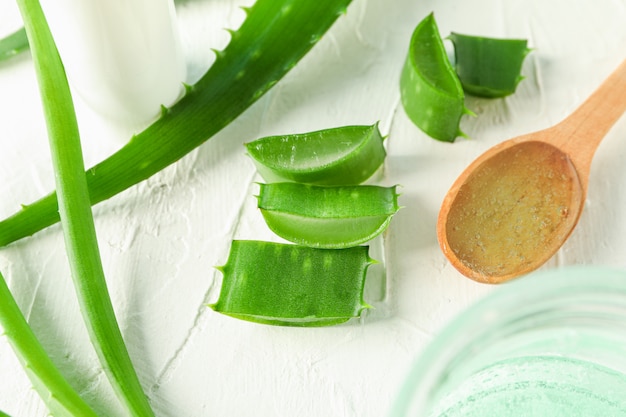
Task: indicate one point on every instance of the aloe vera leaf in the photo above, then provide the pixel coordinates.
(290, 285)
(58, 395)
(271, 40)
(76, 216)
(327, 217)
(13, 44)
(430, 90)
(339, 156)
(488, 67)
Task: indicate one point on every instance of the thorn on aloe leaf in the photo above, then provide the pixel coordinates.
(233, 33)
(218, 53)
(188, 88)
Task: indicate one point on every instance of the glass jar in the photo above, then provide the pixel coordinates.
(550, 344)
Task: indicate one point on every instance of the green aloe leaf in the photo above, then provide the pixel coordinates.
(58, 395)
(76, 216)
(290, 285)
(339, 156)
(327, 217)
(431, 92)
(13, 44)
(489, 67)
(272, 39)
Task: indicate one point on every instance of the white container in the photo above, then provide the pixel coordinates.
(123, 57)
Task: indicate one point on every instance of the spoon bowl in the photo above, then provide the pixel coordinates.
(515, 205)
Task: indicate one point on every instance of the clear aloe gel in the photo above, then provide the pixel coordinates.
(513, 208)
(122, 57)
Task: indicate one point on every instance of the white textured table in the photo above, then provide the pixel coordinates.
(161, 239)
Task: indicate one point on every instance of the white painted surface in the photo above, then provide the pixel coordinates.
(161, 239)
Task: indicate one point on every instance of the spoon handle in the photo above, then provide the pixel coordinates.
(581, 132)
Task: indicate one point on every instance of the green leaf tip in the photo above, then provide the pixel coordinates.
(188, 88)
(219, 54)
(468, 112)
(232, 32)
(462, 134)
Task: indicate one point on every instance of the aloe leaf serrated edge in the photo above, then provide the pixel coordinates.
(271, 40)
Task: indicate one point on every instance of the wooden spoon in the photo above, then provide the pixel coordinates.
(515, 205)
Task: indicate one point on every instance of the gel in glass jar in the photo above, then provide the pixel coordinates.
(550, 344)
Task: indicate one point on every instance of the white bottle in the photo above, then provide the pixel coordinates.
(123, 57)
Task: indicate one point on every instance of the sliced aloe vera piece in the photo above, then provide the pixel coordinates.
(340, 156)
(489, 67)
(431, 92)
(290, 285)
(327, 217)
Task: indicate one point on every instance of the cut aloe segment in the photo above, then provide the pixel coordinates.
(340, 156)
(327, 217)
(489, 67)
(290, 285)
(431, 92)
